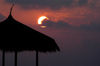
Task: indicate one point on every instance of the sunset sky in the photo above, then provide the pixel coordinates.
(74, 24)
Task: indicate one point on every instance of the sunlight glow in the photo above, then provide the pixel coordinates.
(40, 20)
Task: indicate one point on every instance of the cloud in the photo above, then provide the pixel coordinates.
(64, 25)
(1, 17)
(42, 3)
(90, 27)
(59, 24)
(83, 2)
(54, 4)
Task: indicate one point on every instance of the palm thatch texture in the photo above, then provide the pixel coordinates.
(16, 37)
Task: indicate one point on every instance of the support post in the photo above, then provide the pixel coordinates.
(15, 58)
(37, 58)
(3, 58)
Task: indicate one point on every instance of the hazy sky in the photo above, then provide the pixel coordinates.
(74, 24)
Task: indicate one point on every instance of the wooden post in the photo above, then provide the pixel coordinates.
(37, 59)
(15, 58)
(3, 58)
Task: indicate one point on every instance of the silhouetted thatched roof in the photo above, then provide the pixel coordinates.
(15, 36)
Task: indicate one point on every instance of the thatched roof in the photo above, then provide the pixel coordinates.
(15, 36)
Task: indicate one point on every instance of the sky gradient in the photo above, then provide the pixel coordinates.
(74, 24)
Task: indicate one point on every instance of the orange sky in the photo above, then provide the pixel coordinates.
(74, 16)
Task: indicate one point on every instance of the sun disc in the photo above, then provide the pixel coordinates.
(40, 20)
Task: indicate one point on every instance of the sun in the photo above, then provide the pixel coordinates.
(40, 20)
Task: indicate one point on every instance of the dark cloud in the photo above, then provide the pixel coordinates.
(59, 24)
(42, 3)
(1, 17)
(90, 27)
(55, 4)
(83, 2)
